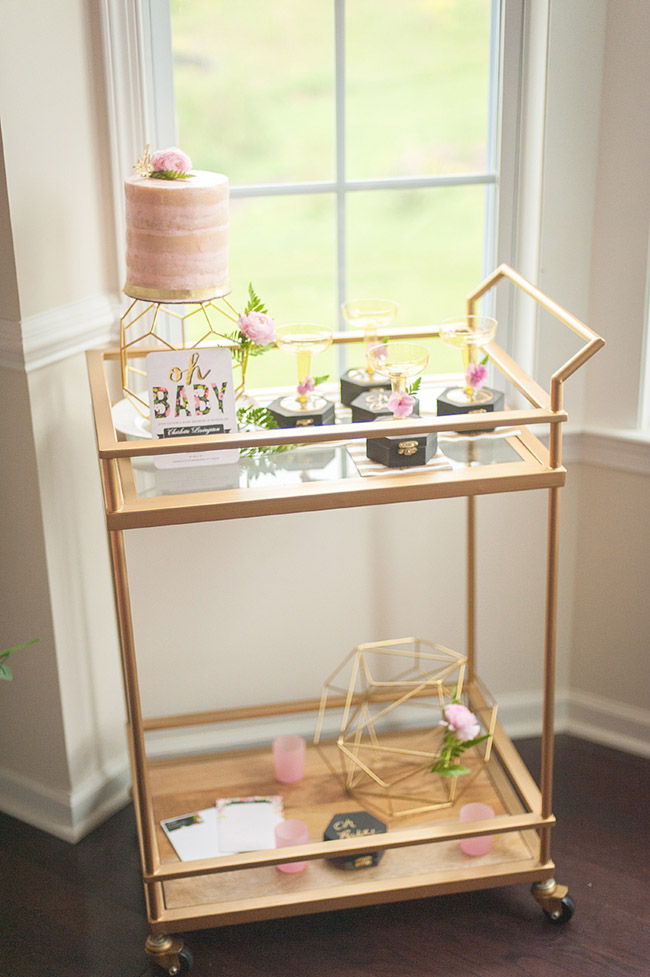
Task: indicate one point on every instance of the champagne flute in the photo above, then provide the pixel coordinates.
(371, 315)
(398, 362)
(468, 333)
(303, 340)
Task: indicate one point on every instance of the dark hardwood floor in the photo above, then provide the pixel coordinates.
(78, 911)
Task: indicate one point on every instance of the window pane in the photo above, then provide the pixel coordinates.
(255, 88)
(285, 246)
(417, 78)
(421, 248)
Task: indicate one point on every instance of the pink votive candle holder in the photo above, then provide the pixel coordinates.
(289, 758)
(476, 812)
(288, 833)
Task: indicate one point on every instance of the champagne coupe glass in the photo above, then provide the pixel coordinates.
(468, 333)
(302, 340)
(398, 362)
(371, 315)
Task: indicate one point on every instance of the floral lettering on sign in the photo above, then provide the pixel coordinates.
(160, 402)
(181, 402)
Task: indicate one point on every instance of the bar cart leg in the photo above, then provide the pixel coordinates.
(555, 900)
(170, 953)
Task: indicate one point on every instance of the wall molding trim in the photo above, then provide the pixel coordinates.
(626, 451)
(69, 815)
(39, 340)
(589, 717)
(609, 723)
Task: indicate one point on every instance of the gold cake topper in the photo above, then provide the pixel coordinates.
(144, 166)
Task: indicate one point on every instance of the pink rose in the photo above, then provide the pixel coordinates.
(257, 327)
(476, 375)
(306, 386)
(460, 721)
(171, 159)
(401, 404)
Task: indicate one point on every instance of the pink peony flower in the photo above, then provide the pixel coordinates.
(476, 375)
(171, 159)
(401, 404)
(257, 327)
(460, 721)
(306, 386)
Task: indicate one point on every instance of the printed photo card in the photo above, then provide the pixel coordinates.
(191, 392)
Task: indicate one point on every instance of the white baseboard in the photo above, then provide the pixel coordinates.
(587, 716)
(71, 815)
(68, 815)
(615, 724)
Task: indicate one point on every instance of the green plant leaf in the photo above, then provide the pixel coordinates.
(5, 672)
(414, 387)
(254, 302)
(322, 379)
(171, 175)
(484, 360)
(259, 417)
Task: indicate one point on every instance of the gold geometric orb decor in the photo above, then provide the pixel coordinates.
(168, 325)
(393, 694)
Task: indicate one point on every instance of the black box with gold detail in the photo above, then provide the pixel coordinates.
(321, 413)
(374, 404)
(355, 824)
(403, 450)
(356, 382)
(453, 401)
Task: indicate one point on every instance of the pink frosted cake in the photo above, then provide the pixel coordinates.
(177, 237)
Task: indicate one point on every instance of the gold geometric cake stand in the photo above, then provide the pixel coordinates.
(143, 324)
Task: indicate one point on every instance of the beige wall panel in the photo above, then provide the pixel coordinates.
(612, 610)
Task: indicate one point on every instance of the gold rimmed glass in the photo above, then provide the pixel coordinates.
(303, 340)
(468, 333)
(399, 362)
(371, 315)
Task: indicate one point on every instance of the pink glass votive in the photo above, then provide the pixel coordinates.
(288, 833)
(476, 812)
(289, 758)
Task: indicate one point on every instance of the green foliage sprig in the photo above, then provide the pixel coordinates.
(171, 175)
(5, 671)
(453, 745)
(253, 416)
(254, 303)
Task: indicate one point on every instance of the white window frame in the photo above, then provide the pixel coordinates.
(138, 57)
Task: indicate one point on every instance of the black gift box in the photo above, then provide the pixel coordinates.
(489, 401)
(403, 450)
(355, 824)
(356, 381)
(371, 405)
(310, 417)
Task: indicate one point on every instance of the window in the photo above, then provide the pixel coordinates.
(363, 141)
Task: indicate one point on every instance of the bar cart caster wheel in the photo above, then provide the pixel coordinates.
(564, 913)
(555, 900)
(170, 953)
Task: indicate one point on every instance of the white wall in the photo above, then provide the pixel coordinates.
(63, 763)
(63, 759)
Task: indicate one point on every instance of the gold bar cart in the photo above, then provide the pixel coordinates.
(424, 858)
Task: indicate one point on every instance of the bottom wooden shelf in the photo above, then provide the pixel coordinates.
(412, 870)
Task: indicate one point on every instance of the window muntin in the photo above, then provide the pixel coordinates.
(359, 139)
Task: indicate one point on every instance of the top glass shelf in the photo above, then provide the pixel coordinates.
(325, 468)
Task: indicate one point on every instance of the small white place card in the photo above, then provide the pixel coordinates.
(191, 392)
(248, 823)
